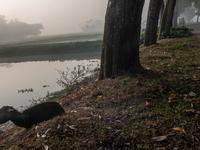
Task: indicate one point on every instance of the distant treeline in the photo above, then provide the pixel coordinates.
(15, 29)
(93, 26)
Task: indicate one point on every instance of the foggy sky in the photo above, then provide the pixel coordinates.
(57, 16)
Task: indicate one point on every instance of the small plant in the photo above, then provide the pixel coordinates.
(69, 78)
(142, 36)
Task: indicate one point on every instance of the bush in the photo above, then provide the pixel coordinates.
(180, 32)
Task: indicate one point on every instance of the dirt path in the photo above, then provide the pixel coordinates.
(195, 27)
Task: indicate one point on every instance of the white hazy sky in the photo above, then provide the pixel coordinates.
(57, 16)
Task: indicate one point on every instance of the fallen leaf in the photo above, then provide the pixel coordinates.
(160, 148)
(32, 135)
(104, 87)
(38, 135)
(98, 82)
(159, 138)
(45, 134)
(179, 129)
(72, 127)
(192, 94)
(109, 128)
(45, 146)
(170, 103)
(74, 111)
(171, 134)
(189, 112)
(117, 131)
(84, 118)
(172, 96)
(37, 127)
(47, 130)
(58, 126)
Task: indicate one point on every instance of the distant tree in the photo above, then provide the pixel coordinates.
(152, 22)
(16, 29)
(189, 13)
(197, 6)
(3, 27)
(93, 26)
(120, 49)
(198, 14)
(166, 21)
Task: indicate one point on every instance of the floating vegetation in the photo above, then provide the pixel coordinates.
(44, 86)
(25, 90)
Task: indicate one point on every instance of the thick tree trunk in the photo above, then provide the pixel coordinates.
(197, 18)
(166, 21)
(120, 49)
(152, 22)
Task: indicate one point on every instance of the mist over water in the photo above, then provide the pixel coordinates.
(60, 16)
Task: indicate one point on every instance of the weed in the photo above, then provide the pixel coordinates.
(69, 78)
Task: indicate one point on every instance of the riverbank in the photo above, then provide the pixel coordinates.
(51, 49)
(156, 108)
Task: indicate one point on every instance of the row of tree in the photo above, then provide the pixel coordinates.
(93, 26)
(15, 29)
(120, 49)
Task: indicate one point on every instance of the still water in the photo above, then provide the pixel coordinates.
(35, 75)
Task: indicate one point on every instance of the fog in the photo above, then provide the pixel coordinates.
(57, 16)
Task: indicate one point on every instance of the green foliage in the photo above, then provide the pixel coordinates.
(180, 32)
(142, 35)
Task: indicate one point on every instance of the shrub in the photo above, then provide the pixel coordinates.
(180, 32)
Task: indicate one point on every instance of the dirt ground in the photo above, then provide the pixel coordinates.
(157, 108)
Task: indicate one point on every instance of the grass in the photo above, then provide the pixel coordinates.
(52, 39)
(155, 109)
(51, 49)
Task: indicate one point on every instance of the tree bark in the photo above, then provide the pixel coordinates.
(152, 22)
(120, 49)
(161, 10)
(175, 18)
(167, 17)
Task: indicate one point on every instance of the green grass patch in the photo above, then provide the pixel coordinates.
(50, 49)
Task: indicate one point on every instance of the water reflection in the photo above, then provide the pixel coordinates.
(7, 65)
(50, 58)
(34, 75)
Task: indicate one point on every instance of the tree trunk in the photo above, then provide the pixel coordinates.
(197, 18)
(161, 10)
(152, 22)
(175, 18)
(166, 21)
(120, 49)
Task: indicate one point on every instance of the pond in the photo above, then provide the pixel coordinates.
(27, 78)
